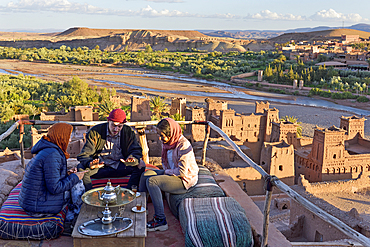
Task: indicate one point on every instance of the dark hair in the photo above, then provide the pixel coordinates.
(164, 126)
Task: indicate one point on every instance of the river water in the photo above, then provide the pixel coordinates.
(233, 92)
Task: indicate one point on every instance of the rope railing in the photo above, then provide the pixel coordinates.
(270, 181)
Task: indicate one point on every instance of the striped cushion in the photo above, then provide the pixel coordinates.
(102, 182)
(206, 187)
(15, 223)
(122, 181)
(216, 221)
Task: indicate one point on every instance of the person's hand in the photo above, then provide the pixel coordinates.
(73, 170)
(80, 175)
(130, 159)
(96, 164)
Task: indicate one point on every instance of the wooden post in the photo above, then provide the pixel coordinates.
(143, 143)
(266, 211)
(21, 133)
(208, 131)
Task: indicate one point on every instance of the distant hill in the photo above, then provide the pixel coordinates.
(130, 39)
(239, 34)
(173, 40)
(268, 34)
(319, 35)
(91, 32)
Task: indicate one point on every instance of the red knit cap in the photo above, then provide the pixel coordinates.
(117, 115)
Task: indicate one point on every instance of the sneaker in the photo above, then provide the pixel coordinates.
(157, 224)
(68, 229)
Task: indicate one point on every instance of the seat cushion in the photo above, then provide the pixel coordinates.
(216, 221)
(122, 181)
(206, 187)
(15, 223)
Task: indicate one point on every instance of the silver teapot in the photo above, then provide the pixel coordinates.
(107, 218)
(109, 196)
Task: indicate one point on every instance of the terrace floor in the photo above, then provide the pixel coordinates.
(172, 237)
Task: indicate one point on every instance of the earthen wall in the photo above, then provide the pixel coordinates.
(140, 109)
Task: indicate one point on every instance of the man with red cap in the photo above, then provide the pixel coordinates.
(111, 150)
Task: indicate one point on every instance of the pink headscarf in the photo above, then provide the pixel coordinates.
(176, 133)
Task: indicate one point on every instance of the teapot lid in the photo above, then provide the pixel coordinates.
(109, 187)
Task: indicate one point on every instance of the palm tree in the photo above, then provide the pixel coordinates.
(63, 103)
(158, 106)
(294, 120)
(105, 107)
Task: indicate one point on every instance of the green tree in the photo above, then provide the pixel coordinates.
(158, 106)
(63, 103)
(6, 112)
(148, 49)
(105, 107)
(294, 120)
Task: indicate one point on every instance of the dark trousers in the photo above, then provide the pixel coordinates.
(108, 172)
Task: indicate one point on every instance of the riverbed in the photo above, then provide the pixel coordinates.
(128, 81)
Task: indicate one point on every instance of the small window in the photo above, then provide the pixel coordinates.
(334, 156)
(280, 167)
(319, 237)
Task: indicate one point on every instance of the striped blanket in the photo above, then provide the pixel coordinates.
(216, 221)
(15, 223)
(206, 187)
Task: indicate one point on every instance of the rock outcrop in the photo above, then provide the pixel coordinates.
(11, 173)
(132, 40)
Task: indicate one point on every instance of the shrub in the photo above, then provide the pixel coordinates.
(362, 99)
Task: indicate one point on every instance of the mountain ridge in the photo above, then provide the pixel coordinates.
(267, 34)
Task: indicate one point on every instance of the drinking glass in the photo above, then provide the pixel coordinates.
(134, 188)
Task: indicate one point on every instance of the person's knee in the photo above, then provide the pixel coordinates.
(152, 181)
(149, 173)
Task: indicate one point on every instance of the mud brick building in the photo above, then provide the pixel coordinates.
(140, 109)
(335, 153)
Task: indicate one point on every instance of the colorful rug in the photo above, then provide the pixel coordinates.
(15, 223)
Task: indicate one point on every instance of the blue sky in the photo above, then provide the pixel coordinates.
(180, 14)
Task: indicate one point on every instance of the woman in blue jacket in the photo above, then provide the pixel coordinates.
(46, 182)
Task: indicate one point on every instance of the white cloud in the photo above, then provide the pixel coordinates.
(332, 15)
(67, 6)
(223, 16)
(150, 12)
(54, 6)
(268, 15)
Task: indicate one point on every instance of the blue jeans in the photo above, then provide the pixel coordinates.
(155, 181)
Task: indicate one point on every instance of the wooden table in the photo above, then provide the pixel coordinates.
(132, 237)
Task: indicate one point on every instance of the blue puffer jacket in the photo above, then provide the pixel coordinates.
(45, 180)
